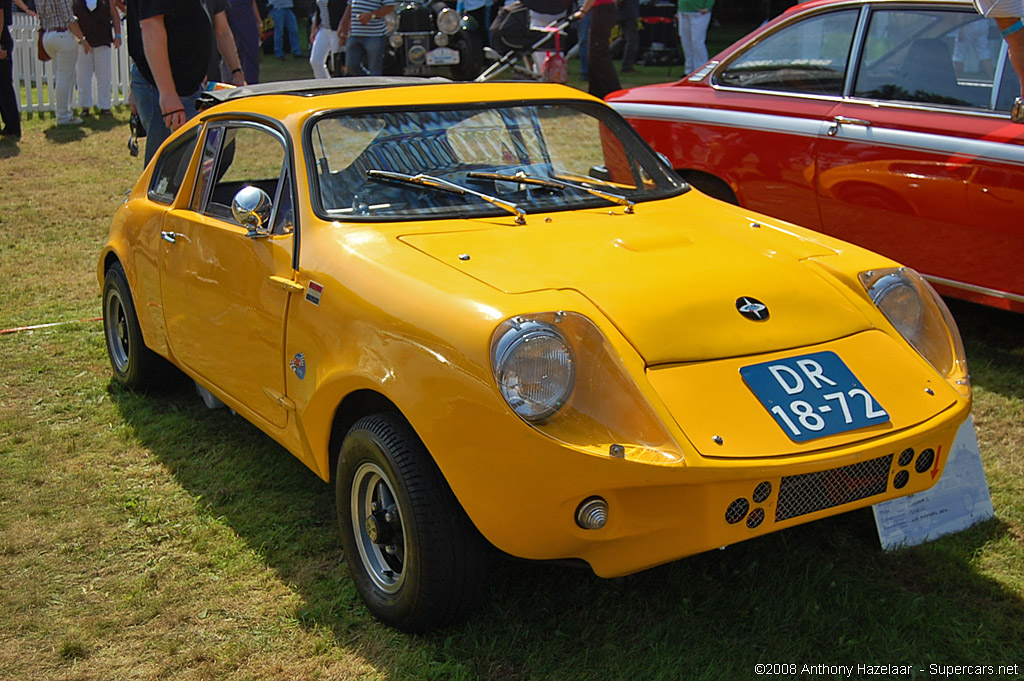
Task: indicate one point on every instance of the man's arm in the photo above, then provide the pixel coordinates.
(227, 48)
(154, 43)
(115, 20)
(25, 8)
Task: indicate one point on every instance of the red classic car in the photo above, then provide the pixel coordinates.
(883, 122)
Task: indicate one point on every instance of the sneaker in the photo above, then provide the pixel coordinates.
(1017, 112)
(74, 120)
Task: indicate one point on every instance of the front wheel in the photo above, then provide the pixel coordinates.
(415, 557)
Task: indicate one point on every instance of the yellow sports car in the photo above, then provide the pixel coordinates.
(489, 314)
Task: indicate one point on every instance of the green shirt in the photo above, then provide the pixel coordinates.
(695, 5)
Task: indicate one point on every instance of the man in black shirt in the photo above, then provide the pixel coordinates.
(170, 43)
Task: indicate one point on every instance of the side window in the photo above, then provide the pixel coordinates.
(237, 155)
(943, 57)
(171, 167)
(810, 57)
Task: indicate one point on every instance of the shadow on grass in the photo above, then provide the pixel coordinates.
(819, 593)
(994, 343)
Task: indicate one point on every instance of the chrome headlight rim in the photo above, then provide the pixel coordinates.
(507, 348)
(448, 21)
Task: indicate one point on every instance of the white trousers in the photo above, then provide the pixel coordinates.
(63, 50)
(96, 63)
(693, 33)
(324, 45)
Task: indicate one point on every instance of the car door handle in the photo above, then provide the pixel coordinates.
(167, 236)
(843, 120)
(286, 284)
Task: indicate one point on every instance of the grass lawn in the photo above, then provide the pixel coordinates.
(144, 537)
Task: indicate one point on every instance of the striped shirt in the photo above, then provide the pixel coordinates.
(376, 27)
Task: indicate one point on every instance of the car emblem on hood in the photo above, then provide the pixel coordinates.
(752, 308)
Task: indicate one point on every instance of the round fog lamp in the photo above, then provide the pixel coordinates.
(592, 514)
(396, 40)
(440, 39)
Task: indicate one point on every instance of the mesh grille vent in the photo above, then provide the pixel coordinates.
(810, 492)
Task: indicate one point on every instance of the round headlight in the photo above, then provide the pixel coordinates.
(917, 312)
(448, 21)
(534, 368)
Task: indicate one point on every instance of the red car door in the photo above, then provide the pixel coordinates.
(917, 164)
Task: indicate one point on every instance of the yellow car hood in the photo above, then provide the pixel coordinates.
(668, 280)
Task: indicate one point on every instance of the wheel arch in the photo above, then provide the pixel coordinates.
(354, 406)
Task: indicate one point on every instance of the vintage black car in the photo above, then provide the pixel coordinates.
(431, 38)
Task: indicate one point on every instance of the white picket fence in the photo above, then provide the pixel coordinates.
(34, 80)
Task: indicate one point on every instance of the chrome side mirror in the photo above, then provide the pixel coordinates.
(252, 208)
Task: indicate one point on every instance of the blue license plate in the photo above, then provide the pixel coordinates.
(812, 396)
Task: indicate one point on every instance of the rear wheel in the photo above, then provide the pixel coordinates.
(415, 557)
(135, 365)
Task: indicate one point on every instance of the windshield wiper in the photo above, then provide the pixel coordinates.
(446, 186)
(553, 183)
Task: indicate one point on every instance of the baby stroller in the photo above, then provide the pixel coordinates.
(511, 33)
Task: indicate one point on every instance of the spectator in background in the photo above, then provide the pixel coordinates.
(694, 17)
(629, 15)
(362, 34)
(324, 35)
(1008, 17)
(61, 40)
(10, 116)
(223, 48)
(101, 24)
(600, 68)
(246, 22)
(284, 20)
(170, 43)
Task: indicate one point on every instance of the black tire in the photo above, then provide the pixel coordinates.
(471, 57)
(135, 365)
(415, 557)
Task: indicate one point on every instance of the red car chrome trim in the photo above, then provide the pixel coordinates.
(976, 289)
(947, 145)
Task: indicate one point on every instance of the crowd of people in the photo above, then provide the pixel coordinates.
(178, 47)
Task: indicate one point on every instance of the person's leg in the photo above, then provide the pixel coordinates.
(354, 53)
(63, 48)
(583, 36)
(603, 77)
(278, 17)
(293, 33)
(83, 73)
(683, 25)
(318, 54)
(631, 36)
(9, 113)
(101, 67)
(700, 25)
(375, 55)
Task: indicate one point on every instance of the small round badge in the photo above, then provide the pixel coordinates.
(752, 308)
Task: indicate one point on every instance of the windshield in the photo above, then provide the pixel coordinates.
(596, 157)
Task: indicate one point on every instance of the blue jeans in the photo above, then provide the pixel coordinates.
(284, 20)
(368, 48)
(147, 101)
